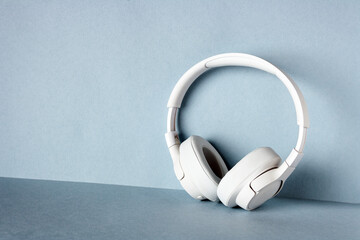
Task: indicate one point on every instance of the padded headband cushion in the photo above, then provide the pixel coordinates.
(251, 166)
(203, 165)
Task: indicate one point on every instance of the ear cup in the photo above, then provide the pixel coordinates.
(203, 168)
(251, 166)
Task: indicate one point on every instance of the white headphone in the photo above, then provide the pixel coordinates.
(200, 169)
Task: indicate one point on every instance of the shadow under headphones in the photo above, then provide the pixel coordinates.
(256, 178)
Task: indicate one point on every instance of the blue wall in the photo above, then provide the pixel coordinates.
(84, 87)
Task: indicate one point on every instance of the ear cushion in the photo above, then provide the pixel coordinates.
(203, 168)
(251, 166)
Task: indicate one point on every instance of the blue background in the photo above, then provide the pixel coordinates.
(84, 87)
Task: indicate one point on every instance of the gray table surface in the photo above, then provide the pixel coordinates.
(34, 209)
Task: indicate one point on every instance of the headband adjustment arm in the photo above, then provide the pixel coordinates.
(173, 143)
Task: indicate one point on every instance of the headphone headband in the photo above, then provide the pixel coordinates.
(245, 60)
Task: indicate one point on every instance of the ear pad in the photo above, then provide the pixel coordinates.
(203, 168)
(251, 166)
